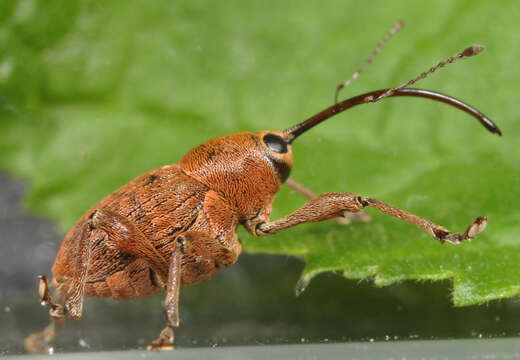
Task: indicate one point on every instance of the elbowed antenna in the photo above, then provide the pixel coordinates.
(398, 25)
(401, 90)
(300, 128)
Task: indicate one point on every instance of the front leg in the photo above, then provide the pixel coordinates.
(345, 218)
(329, 205)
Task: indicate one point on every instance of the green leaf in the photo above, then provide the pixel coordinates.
(93, 94)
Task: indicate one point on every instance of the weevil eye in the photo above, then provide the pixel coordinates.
(275, 143)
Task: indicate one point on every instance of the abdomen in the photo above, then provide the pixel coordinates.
(160, 203)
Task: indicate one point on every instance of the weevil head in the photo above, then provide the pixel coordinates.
(245, 169)
(276, 147)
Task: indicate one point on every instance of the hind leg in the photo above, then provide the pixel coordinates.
(56, 309)
(38, 343)
(122, 235)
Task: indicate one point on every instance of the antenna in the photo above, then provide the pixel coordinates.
(395, 28)
(298, 129)
(401, 90)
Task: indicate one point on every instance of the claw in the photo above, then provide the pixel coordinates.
(164, 341)
(160, 347)
(56, 311)
(43, 291)
(473, 230)
(477, 227)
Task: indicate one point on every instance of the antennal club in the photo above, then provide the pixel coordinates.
(397, 26)
(470, 51)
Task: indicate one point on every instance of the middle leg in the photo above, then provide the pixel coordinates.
(171, 303)
(196, 257)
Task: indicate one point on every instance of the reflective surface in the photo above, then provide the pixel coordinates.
(424, 350)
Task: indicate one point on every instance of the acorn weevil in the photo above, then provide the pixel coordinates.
(176, 225)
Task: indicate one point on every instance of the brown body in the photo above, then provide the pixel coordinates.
(185, 198)
(176, 225)
(145, 202)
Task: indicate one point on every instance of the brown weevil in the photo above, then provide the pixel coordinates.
(176, 225)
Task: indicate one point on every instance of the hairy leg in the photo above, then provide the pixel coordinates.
(171, 303)
(344, 219)
(329, 205)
